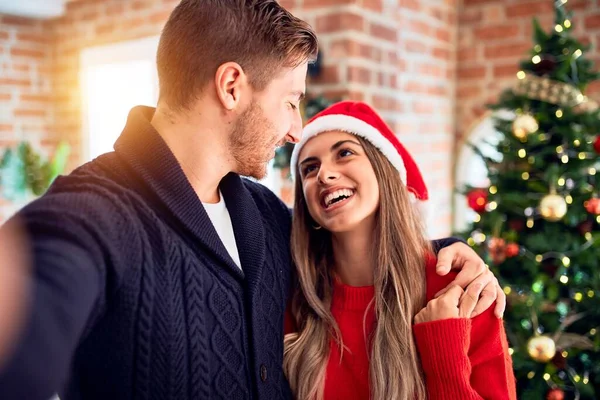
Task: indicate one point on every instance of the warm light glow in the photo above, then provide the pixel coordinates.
(539, 258)
(578, 297)
(507, 290)
(577, 53)
(566, 261)
(569, 199)
(525, 175)
(493, 189)
(559, 149)
(559, 113)
(522, 153)
(536, 59)
(511, 351)
(493, 205)
(567, 23)
(564, 279)
(530, 375)
(590, 293)
(537, 48)
(588, 236)
(564, 159)
(581, 156)
(558, 28)
(521, 75)
(477, 218)
(561, 181)
(576, 142)
(565, 353)
(576, 378)
(530, 223)
(546, 376)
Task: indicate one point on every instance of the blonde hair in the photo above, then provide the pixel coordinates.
(399, 280)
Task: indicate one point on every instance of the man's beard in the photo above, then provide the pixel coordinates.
(251, 142)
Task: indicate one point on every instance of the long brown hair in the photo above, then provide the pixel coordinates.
(399, 280)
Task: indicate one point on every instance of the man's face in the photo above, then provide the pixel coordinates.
(271, 119)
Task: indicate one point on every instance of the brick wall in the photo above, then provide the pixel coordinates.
(25, 85)
(495, 35)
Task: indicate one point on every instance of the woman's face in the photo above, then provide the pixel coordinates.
(338, 182)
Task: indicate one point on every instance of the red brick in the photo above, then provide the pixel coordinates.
(15, 82)
(501, 32)
(338, 22)
(140, 5)
(4, 35)
(6, 128)
(287, 4)
(413, 5)
(160, 17)
(325, 3)
(467, 3)
(5, 97)
(503, 71)
(107, 27)
(91, 15)
(463, 91)
(529, 9)
(434, 70)
(114, 9)
(329, 74)
(384, 103)
(467, 72)
(383, 32)
(33, 37)
(423, 107)
(443, 35)
(414, 87)
(467, 55)
(26, 112)
(592, 21)
(35, 97)
(441, 53)
(437, 90)
(374, 5)
(470, 16)
(359, 75)
(415, 46)
(20, 52)
(17, 21)
(421, 27)
(513, 50)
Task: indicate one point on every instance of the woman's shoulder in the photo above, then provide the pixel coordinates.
(434, 282)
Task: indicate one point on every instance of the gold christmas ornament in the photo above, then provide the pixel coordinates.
(524, 125)
(541, 348)
(553, 207)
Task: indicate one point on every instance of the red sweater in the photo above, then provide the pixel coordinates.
(462, 358)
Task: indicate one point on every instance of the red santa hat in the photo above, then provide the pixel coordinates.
(360, 119)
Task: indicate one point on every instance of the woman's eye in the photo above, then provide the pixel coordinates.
(346, 152)
(308, 169)
(294, 107)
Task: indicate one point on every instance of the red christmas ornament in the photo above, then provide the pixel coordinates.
(585, 227)
(559, 360)
(555, 394)
(597, 144)
(477, 199)
(512, 250)
(593, 206)
(497, 249)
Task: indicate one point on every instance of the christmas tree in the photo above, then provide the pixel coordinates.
(537, 223)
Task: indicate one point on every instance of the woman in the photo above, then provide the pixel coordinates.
(364, 322)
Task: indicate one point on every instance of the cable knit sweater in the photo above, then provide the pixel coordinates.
(134, 284)
(464, 359)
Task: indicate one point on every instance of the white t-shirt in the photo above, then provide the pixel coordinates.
(221, 220)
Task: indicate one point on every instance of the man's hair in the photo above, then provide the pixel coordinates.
(200, 35)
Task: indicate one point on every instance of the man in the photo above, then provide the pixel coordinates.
(159, 273)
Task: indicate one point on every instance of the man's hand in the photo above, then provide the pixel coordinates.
(481, 286)
(452, 304)
(14, 286)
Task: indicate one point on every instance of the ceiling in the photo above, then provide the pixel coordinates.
(33, 8)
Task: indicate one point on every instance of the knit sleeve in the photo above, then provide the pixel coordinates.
(78, 244)
(466, 358)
